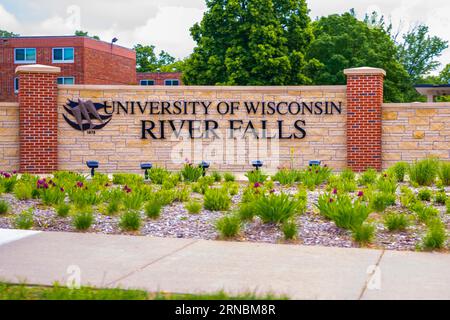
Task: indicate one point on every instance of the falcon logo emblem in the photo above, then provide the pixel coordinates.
(85, 115)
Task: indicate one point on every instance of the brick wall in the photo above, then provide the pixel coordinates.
(9, 136)
(365, 97)
(159, 77)
(414, 131)
(38, 119)
(119, 146)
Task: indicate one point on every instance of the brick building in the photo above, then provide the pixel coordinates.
(82, 60)
(159, 78)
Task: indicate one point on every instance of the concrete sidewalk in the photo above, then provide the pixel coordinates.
(193, 266)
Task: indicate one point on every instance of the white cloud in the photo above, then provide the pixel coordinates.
(7, 20)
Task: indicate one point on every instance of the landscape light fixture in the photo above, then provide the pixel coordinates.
(92, 165)
(204, 165)
(314, 163)
(146, 167)
(114, 40)
(257, 164)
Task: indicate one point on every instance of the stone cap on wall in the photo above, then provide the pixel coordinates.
(364, 71)
(37, 68)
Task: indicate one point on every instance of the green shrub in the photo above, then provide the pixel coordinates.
(158, 175)
(217, 200)
(23, 190)
(368, 177)
(396, 221)
(447, 204)
(232, 188)
(289, 229)
(130, 220)
(8, 181)
(228, 226)
(313, 176)
(193, 207)
(191, 173)
(285, 176)
(165, 197)
(436, 235)
(4, 207)
(247, 211)
(228, 177)
(407, 197)
(440, 198)
(424, 194)
(302, 198)
(398, 171)
(444, 173)
(364, 233)
(424, 212)
(345, 213)
(83, 220)
(52, 195)
(276, 208)
(424, 172)
(387, 185)
(217, 176)
(379, 201)
(256, 176)
(63, 210)
(82, 197)
(183, 194)
(24, 220)
(153, 209)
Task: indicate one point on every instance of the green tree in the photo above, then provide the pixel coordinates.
(251, 42)
(7, 34)
(148, 61)
(80, 33)
(418, 52)
(343, 41)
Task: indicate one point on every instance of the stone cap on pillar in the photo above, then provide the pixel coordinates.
(364, 71)
(37, 68)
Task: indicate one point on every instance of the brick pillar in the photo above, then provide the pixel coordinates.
(364, 102)
(38, 118)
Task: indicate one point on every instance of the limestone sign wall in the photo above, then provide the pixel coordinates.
(9, 136)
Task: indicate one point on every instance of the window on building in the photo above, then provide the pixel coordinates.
(16, 85)
(171, 82)
(25, 55)
(63, 55)
(147, 82)
(66, 80)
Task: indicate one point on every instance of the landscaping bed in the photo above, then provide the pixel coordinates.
(310, 206)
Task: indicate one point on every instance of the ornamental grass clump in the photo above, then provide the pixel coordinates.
(276, 208)
(8, 181)
(113, 207)
(387, 185)
(231, 187)
(153, 208)
(256, 176)
(193, 207)
(158, 175)
(24, 220)
(440, 198)
(83, 219)
(436, 235)
(424, 194)
(314, 176)
(229, 177)
(290, 230)
(379, 201)
(228, 226)
(368, 177)
(4, 207)
(424, 172)
(343, 211)
(398, 171)
(246, 211)
(285, 176)
(130, 220)
(407, 197)
(131, 179)
(133, 200)
(396, 221)
(23, 190)
(182, 194)
(444, 173)
(424, 213)
(364, 233)
(216, 200)
(63, 210)
(191, 173)
(217, 176)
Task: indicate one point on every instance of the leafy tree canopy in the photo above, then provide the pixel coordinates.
(251, 42)
(7, 34)
(80, 33)
(343, 41)
(148, 61)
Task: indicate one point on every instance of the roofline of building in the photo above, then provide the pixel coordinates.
(67, 36)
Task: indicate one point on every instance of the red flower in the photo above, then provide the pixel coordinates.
(331, 200)
(360, 194)
(80, 184)
(334, 191)
(257, 185)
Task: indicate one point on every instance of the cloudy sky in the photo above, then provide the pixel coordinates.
(166, 23)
